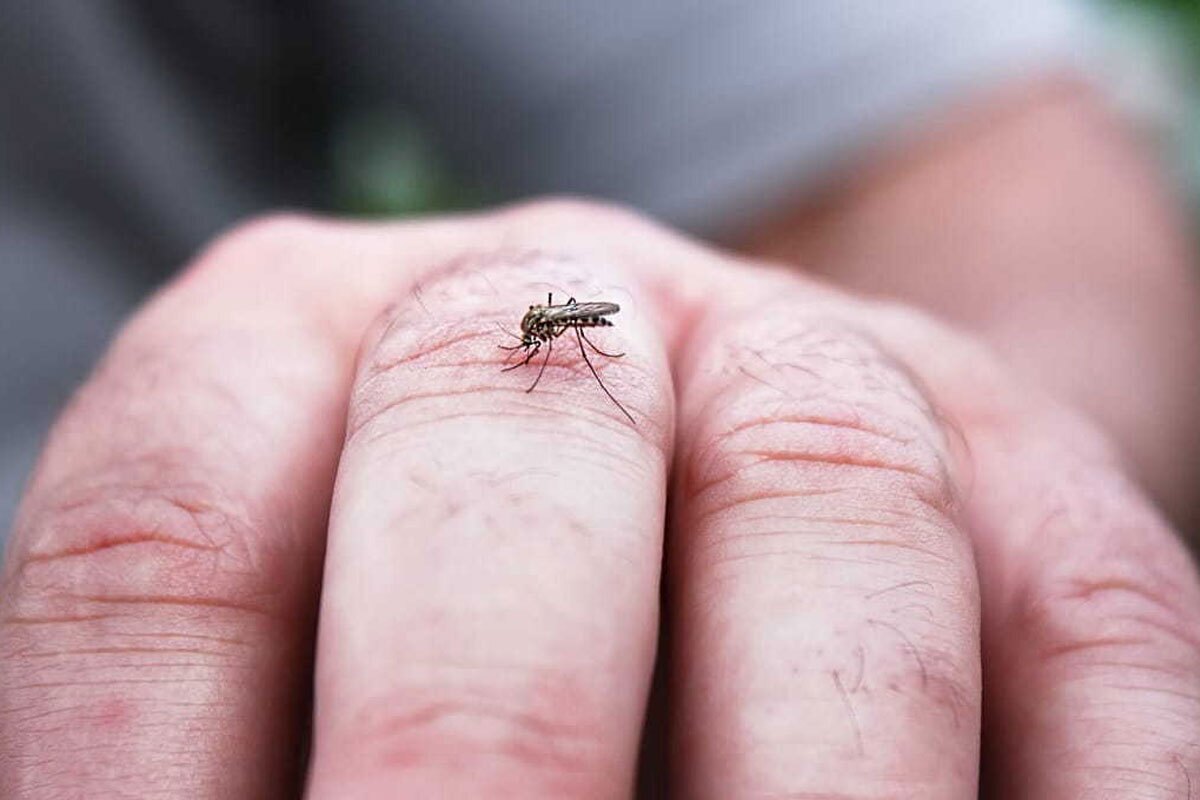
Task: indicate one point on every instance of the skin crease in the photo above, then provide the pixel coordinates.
(289, 474)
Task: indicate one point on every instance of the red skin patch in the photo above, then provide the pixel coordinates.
(112, 714)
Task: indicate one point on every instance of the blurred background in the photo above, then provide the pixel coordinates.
(1156, 73)
(387, 163)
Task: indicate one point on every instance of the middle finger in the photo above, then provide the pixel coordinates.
(490, 609)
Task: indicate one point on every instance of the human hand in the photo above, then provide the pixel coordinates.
(849, 483)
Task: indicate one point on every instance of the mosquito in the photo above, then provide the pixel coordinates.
(543, 324)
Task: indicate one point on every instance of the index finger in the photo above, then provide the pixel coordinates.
(160, 591)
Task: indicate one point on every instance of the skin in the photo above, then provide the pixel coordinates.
(299, 469)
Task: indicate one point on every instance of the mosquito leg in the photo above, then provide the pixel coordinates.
(596, 375)
(597, 349)
(549, 350)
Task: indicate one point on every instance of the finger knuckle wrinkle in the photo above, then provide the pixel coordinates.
(530, 733)
(411, 347)
(410, 366)
(48, 688)
(1113, 620)
(836, 404)
(819, 451)
(110, 549)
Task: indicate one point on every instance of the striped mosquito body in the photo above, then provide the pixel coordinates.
(549, 321)
(541, 325)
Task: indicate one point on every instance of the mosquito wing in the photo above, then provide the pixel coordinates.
(578, 311)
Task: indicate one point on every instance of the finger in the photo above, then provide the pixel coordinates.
(160, 590)
(1092, 631)
(1091, 604)
(490, 609)
(823, 602)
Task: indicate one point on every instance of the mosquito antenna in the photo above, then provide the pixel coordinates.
(507, 331)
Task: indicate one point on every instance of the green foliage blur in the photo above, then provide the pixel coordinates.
(1166, 34)
(1188, 11)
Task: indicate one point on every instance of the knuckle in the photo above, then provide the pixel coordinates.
(1123, 612)
(1110, 578)
(268, 231)
(267, 241)
(414, 368)
(133, 581)
(441, 342)
(559, 212)
(811, 406)
(534, 726)
(142, 538)
(432, 346)
(124, 604)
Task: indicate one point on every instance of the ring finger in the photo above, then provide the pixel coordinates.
(823, 598)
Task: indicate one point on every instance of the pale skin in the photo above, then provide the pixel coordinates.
(300, 472)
